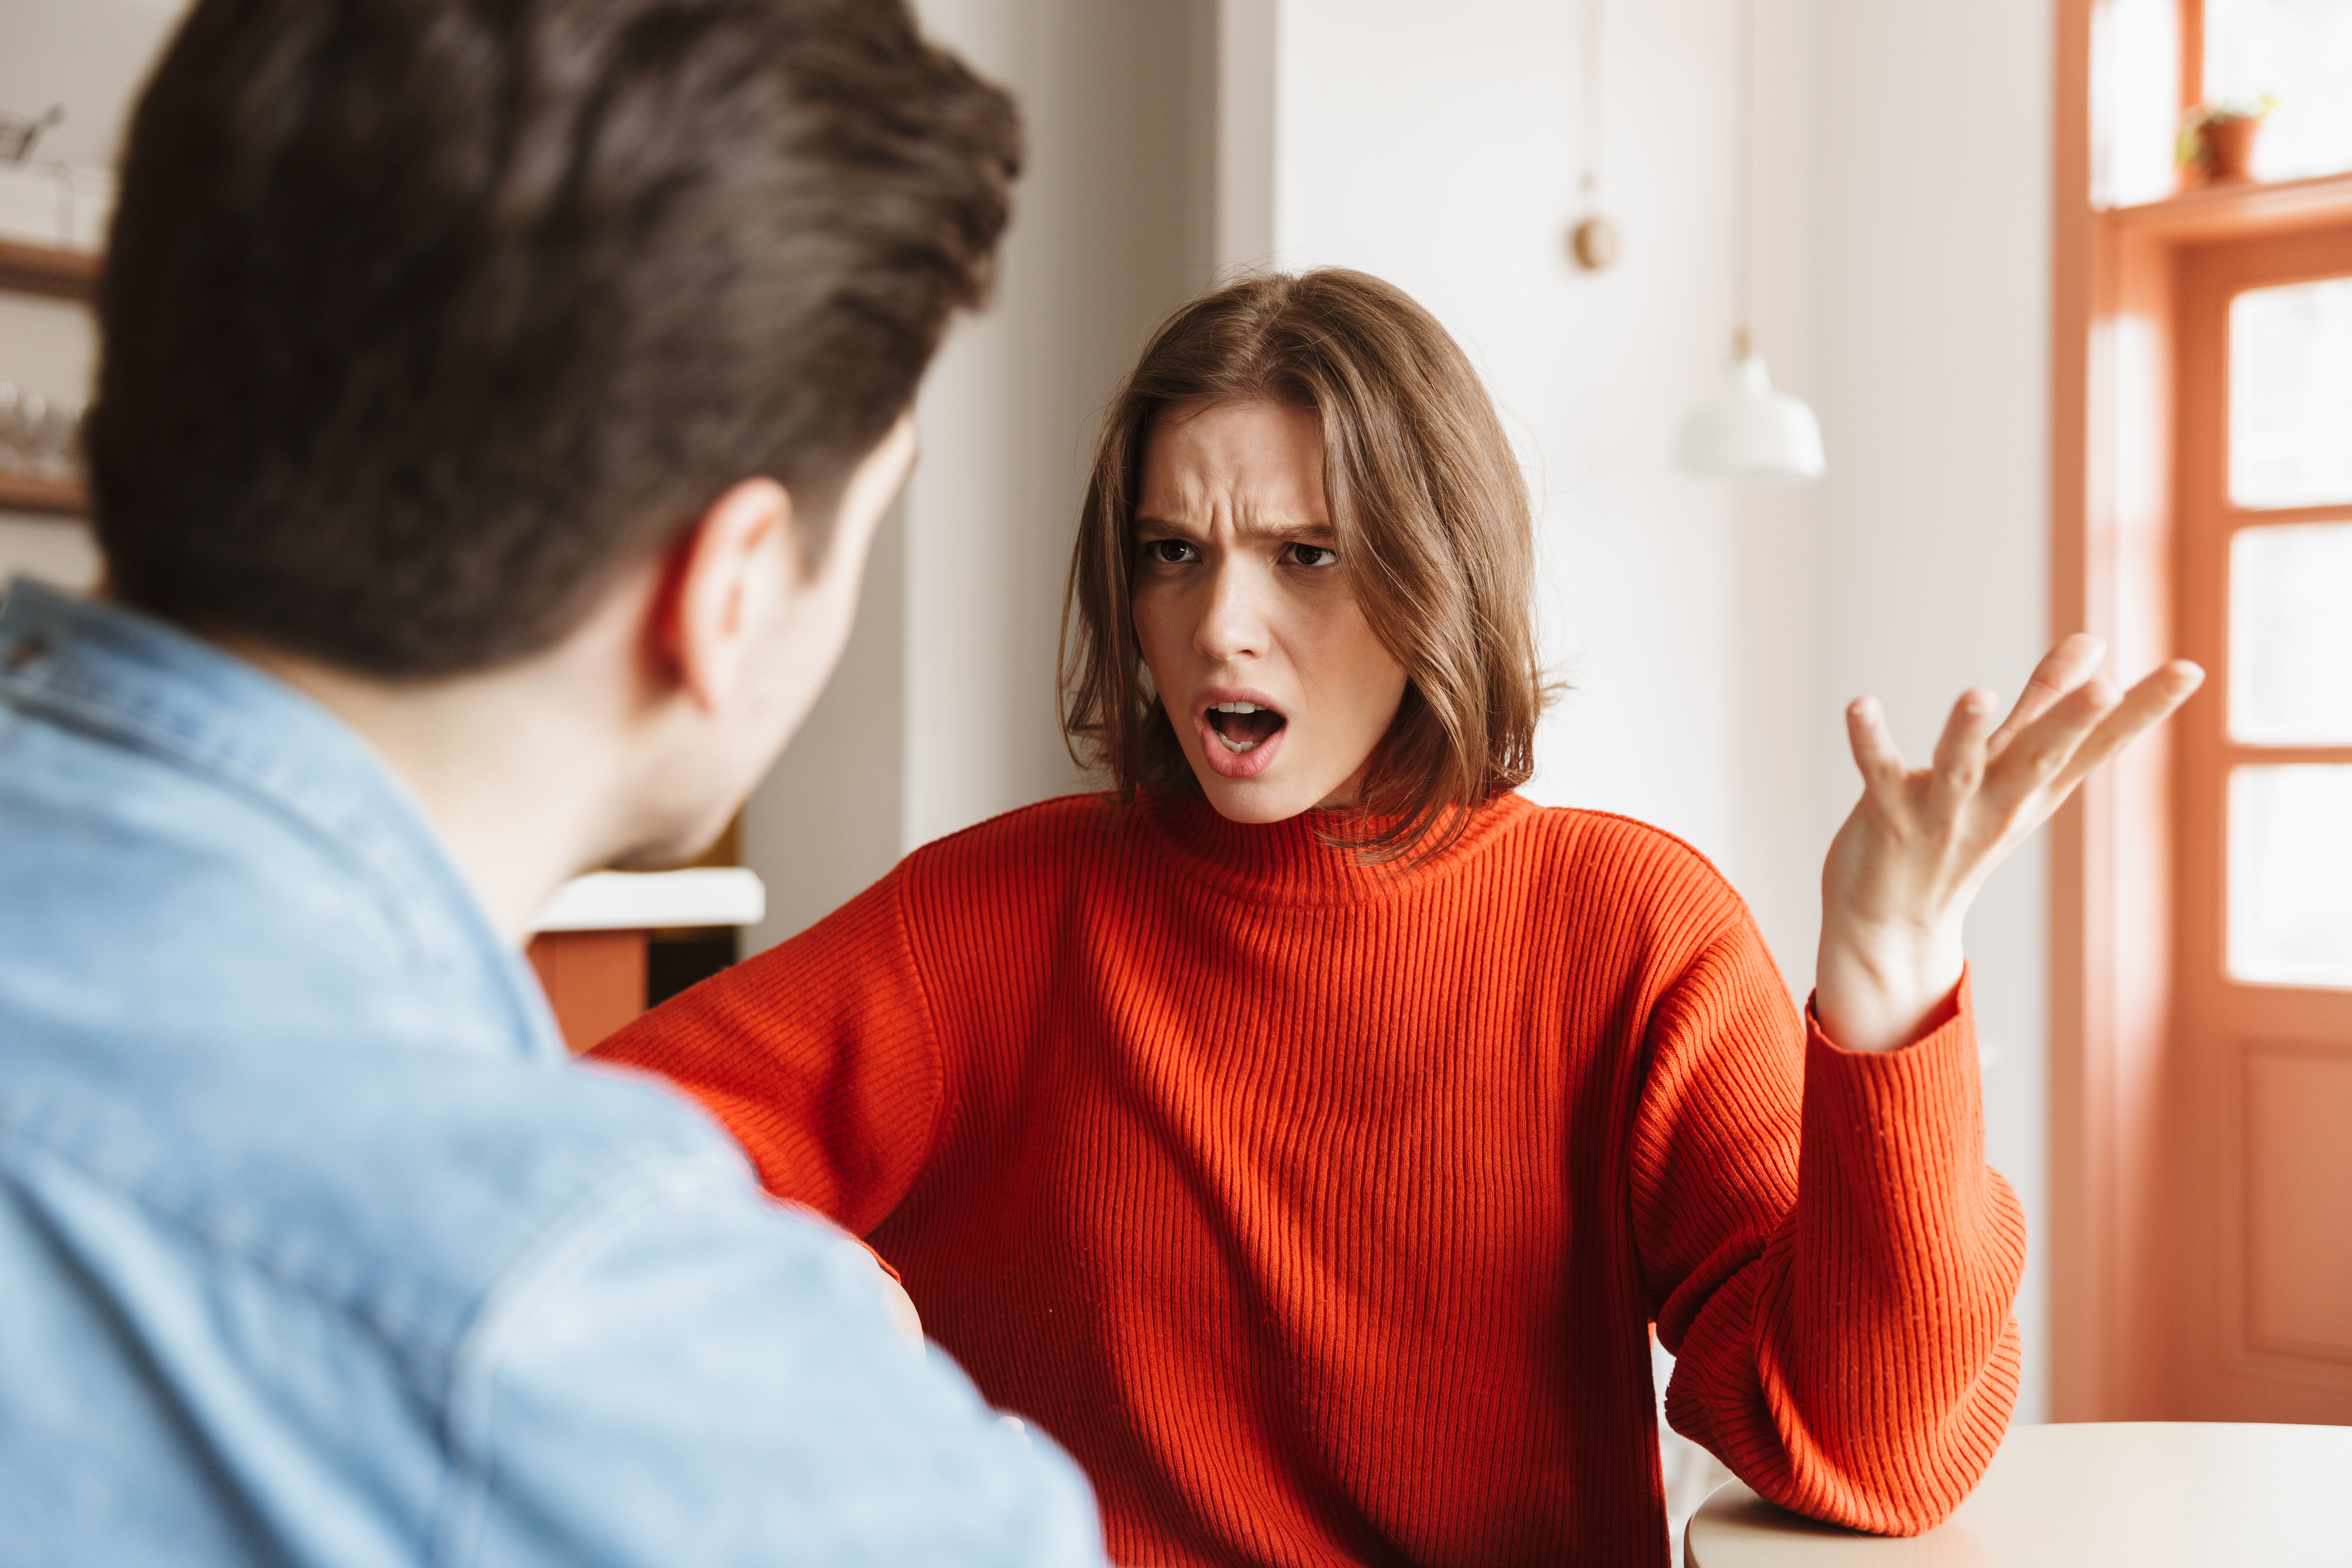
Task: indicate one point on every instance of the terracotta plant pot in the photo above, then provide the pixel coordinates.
(2228, 146)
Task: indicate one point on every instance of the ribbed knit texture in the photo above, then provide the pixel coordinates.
(1320, 1209)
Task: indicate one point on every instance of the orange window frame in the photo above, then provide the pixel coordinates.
(2116, 561)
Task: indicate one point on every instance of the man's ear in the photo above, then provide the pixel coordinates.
(726, 577)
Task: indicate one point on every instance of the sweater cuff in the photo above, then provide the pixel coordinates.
(1953, 1016)
(1915, 1106)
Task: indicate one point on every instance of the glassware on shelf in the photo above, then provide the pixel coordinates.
(40, 437)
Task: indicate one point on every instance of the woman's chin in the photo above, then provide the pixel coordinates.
(1263, 797)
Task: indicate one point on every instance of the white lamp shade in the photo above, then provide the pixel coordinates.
(1752, 432)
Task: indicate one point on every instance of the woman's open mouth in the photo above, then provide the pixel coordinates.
(1243, 726)
(1239, 736)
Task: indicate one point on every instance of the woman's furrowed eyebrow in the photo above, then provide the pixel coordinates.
(1301, 532)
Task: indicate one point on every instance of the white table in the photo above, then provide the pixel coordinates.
(589, 942)
(647, 900)
(2142, 1494)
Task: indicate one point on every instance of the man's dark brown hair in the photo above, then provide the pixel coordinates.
(1432, 516)
(426, 319)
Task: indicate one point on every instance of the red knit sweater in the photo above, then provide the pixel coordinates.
(1319, 1210)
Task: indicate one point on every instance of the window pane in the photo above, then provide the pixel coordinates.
(2290, 635)
(2291, 875)
(2291, 393)
(2138, 98)
(2301, 50)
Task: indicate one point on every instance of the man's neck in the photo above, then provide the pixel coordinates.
(519, 770)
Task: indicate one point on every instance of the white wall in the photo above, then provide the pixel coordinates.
(1932, 284)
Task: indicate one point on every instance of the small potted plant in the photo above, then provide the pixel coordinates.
(2217, 140)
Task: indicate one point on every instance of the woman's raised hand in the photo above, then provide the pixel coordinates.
(1905, 868)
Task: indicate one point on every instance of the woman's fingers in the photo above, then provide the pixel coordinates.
(2146, 705)
(1962, 750)
(2080, 722)
(2062, 670)
(2038, 754)
(1874, 751)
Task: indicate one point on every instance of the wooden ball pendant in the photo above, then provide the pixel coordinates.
(1594, 243)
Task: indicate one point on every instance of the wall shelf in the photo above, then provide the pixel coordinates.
(43, 497)
(45, 270)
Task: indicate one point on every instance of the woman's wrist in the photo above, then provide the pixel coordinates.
(1877, 989)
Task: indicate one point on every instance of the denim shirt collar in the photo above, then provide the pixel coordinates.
(150, 687)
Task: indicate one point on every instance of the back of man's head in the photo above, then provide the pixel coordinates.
(424, 320)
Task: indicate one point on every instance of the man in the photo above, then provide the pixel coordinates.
(498, 402)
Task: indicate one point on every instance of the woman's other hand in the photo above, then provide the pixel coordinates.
(1905, 868)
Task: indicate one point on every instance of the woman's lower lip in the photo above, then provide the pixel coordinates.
(1232, 764)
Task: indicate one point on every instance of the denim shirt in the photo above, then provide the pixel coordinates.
(314, 1248)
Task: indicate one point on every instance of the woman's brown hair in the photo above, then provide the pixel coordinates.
(1432, 516)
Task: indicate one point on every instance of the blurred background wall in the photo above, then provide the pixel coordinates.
(1710, 635)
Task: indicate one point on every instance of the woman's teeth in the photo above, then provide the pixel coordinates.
(1243, 727)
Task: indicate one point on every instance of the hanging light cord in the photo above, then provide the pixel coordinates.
(1743, 182)
(1592, 119)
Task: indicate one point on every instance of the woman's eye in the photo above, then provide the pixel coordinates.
(1168, 552)
(1313, 554)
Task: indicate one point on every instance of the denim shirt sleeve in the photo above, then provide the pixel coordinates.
(685, 1373)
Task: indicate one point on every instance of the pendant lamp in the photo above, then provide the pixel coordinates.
(1750, 430)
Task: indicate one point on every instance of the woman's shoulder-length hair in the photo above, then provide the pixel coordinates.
(1431, 513)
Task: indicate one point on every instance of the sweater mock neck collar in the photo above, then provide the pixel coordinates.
(1294, 860)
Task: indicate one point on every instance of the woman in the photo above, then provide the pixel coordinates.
(1305, 1131)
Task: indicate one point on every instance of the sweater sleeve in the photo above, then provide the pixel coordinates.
(1824, 1249)
(819, 1056)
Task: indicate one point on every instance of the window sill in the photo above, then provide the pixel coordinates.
(2236, 210)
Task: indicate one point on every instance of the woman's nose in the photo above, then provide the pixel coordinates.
(1232, 622)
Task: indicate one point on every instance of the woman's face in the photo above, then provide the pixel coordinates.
(1249, 623)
